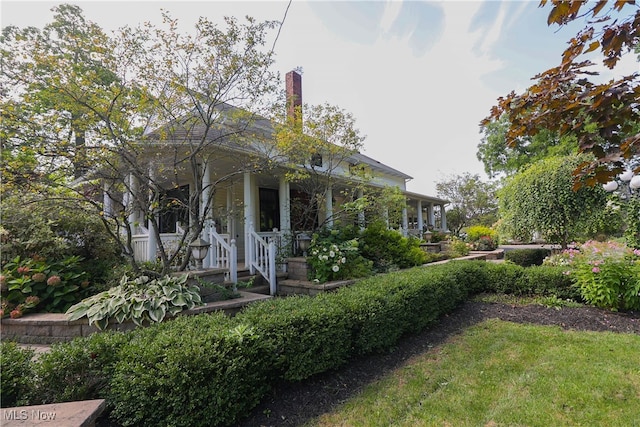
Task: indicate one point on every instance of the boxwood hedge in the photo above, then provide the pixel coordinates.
(211, 369)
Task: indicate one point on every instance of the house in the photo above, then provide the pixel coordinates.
(249, 215)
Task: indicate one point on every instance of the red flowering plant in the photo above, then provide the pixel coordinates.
(36, 284)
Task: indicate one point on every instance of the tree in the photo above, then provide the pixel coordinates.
(542, 199)
(566, 101)
(80, 98)
(319, 146)
(473, 202)
(499, 157)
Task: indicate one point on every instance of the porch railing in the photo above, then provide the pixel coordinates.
(224, 254)
(262, 257)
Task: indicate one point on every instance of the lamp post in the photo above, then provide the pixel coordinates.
(304, 241)
(627, 187)
(199, 249)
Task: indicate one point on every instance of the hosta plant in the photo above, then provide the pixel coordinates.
(139, 300)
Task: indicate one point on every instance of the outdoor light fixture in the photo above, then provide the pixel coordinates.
(199, 249)
(304, 241)
(630, 185)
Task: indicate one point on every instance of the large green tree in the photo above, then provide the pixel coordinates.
(77, 102)
(566, 100)
(473, 202)
(500, 158)
(541, 198)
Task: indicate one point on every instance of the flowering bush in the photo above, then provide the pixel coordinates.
(482, 238)
(326, 260)
(41, 285)
(333, 256)
(607, 273)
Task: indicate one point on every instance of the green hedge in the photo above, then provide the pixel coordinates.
(194, 371)
(527, 257)
(211, 369)
(16, 374)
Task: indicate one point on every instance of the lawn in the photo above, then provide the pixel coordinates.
(499, 373)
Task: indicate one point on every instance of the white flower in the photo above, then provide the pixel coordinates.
(325, 258)
(332, 254)
(335, 268)
(343, 260)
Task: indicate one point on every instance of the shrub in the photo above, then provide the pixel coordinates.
(310, 335)
(16, 375)
(527, 257)
(482, 238)
(389, 249)
(41, 285)
(548, 281)
(78, 370)
(56, 227)
(331, 259)
(607, 274)
(457, 248)
(139, 300)
(204, 370)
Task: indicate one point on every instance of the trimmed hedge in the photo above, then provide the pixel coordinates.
(527, 257)
(211, 369)
(203, 370)
(16, 374)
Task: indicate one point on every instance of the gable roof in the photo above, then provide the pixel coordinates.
(257, 126)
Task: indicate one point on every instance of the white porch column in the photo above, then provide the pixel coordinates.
(285, 205)
(419, 218)
(249, 209)
(205, 196)
(405, 222)
(329, 206)
(431, 215)
(443, 218)
(361, 218)
(129, 202)
(152, 245)
(107, 203)
(231, 226)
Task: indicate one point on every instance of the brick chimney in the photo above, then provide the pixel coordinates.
(294, 95)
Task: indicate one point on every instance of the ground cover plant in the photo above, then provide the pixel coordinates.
(501, 373)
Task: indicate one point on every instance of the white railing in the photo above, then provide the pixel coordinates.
(140, 243)
(262, 257)
(224, 254)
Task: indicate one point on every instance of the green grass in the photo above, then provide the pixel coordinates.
(503, 374)
(547, 301)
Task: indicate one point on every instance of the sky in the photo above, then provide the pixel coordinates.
(418, 76)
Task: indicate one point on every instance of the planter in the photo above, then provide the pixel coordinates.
(297, 268)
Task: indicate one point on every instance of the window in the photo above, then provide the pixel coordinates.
(316, 160)
(269, 209)
(175, 208)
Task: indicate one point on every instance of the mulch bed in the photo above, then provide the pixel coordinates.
(294, 404)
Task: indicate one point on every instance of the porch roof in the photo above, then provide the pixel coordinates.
(257, 126)
(425, 198)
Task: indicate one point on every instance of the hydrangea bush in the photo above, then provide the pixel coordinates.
(327, 259)
(37, 284)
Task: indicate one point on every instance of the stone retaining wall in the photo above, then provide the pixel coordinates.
(49, 328)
